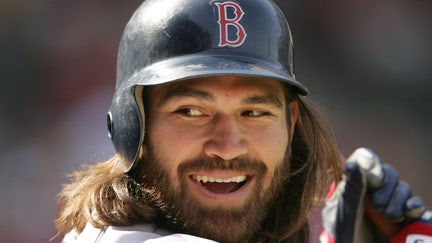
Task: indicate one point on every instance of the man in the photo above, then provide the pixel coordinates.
(216, 140)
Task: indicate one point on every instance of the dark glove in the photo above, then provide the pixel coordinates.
(367, 179)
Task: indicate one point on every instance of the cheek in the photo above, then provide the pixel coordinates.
(270, 147)
(171, 145)
(162, 146)
(271, 144)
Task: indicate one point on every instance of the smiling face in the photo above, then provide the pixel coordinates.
(217, 152)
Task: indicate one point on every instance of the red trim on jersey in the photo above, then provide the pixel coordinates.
(417, 228)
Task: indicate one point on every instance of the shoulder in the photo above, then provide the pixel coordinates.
(132, 234)
(180, 238)
(112, 234)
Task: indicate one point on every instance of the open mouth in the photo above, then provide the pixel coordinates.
(217, 185)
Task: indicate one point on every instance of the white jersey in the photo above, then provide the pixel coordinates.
(132, 234)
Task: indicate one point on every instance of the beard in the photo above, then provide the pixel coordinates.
(180, 212)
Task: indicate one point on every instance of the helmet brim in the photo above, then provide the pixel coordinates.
(195, 66)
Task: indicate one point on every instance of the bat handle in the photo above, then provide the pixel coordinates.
(370, 165)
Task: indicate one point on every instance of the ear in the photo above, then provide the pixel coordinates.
(293, 109)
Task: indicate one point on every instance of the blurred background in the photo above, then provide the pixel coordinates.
(369, 63)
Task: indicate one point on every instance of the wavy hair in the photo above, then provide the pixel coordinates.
(103, 195)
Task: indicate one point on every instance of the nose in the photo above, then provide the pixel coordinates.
(226, 139)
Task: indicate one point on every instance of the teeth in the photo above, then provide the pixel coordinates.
(205, 179)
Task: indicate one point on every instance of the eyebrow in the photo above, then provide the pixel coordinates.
(170, 94)
(186, 92)
(264, 99)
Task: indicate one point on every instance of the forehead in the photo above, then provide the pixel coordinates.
(235, 85)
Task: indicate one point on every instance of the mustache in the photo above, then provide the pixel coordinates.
(210, 164)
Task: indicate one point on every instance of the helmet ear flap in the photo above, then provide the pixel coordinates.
(125, 126)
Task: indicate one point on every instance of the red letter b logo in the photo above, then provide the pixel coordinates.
(225, 22)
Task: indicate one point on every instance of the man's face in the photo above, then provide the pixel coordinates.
(216, 150)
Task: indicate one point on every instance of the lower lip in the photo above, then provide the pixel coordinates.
(236, 195)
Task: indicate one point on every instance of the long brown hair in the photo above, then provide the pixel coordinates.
(315, 163)
(103, 195)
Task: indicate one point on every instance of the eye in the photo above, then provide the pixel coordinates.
(255, 113)
(190, 112)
